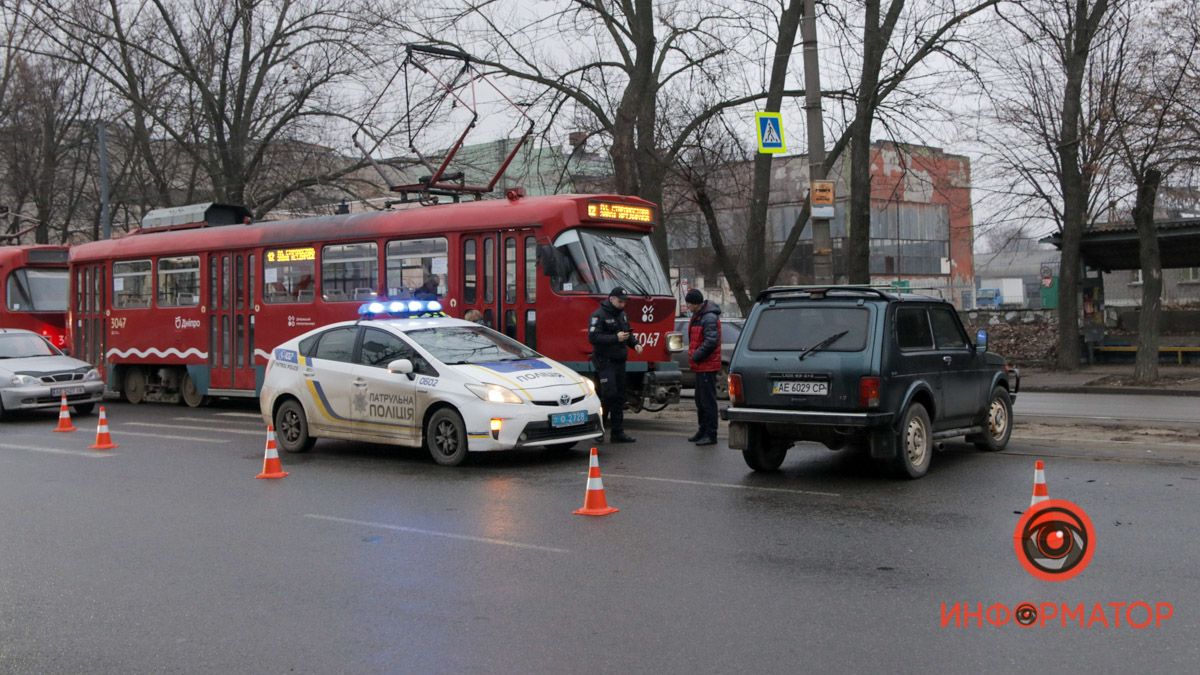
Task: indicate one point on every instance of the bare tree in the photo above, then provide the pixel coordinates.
(245, 92)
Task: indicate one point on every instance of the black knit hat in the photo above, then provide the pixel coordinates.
(694, 297)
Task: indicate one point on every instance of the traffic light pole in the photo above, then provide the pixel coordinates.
(822, 244)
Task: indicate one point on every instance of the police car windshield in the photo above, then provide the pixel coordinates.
(455, 345)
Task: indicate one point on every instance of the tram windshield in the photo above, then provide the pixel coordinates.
(38, 290)
(590, 261)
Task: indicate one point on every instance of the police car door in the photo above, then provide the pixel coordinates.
(394, 403)
(330, 379)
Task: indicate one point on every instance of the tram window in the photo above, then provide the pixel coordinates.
(531, 329)
(510, 270)
(510, 323)
(288, 275)
(349, 272)
(131, 284)
(530, 269)
(179, 281)
(417, 268)
(470, 274)
(489, 271)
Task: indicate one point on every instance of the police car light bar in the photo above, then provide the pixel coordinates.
(401, 308)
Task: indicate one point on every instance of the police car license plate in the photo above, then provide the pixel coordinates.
(568, 419)
(799, 388)
(69, 391)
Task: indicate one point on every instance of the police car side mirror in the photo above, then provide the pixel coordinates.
(401, 367)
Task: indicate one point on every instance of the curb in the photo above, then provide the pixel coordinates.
(1083, 389)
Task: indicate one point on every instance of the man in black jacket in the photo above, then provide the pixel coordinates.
(608, 331)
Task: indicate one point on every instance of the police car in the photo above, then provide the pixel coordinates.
(405, 374)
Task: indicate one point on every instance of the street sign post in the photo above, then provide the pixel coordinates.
(769, 127)
(820, 198)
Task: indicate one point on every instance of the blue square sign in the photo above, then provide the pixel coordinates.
(769, 126)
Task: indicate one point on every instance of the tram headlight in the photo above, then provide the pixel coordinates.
(674, 342)
(494, 393)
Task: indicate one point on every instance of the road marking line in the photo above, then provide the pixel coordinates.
(222, 430)
(118, 431)
(735, 486)
(435, 533)
(257, 416)
(57, 451)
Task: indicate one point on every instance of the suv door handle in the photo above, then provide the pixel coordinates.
(947, 359)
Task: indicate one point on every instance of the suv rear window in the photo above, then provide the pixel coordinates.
(785, 329)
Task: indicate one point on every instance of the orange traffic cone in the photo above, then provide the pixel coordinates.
(64, 417)
(1040, 493)
(594, 502)
(103, 440)
(272, 468)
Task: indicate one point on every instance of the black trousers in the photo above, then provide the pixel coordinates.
(706, 403)
(612, 394)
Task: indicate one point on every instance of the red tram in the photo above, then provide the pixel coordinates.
(33, 290)
(190, 308)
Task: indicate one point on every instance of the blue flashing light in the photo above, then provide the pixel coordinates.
(434, 306)
(415, 305)
(401, 308)
(396, 307)
(375, 308)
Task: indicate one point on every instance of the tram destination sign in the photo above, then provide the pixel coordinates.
(627, 213)
(292, 254)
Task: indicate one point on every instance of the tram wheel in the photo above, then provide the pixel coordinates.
(133, 389)
(191, 393)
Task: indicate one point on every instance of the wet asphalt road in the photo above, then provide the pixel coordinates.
(166, 555)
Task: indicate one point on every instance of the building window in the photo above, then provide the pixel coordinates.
(349, 272)
(1191, 275)
(179, 281)
(132, 284)
(1136, 278)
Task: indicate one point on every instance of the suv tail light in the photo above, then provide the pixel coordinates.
(868, 392)
(736, 394)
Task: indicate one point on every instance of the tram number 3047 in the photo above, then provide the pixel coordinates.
(649, 339)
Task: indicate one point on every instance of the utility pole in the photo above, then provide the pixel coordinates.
(102, 150)
(822, 244)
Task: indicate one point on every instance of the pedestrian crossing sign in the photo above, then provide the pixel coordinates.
(770, 132)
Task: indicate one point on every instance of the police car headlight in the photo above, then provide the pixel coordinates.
(591, 384)
(25, 381)
(91, 375)
(674, 342)
(494, 393)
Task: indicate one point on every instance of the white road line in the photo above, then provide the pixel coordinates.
(118, 432)
(720, 485)
(434, 533)
(214, 428)
(256, 416)
(58, 451)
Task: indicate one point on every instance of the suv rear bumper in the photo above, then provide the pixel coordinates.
(807, 417)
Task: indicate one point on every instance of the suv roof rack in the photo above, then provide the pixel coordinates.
(819, 291)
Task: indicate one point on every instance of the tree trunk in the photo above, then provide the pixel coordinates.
(1145, 369)
(858, 234)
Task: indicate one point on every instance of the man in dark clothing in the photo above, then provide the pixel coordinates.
(704, 358)
(608, 331)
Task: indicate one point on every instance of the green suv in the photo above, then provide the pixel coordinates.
(858, 366)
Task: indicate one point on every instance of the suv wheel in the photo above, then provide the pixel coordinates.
(762, 453)
(997, 422)
(916, 443)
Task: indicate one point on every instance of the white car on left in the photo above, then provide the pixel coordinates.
(35, 374)
(449, 385)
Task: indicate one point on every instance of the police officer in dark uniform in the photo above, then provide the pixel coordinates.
(608, 331)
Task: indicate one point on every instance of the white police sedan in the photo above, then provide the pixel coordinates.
(450, 385)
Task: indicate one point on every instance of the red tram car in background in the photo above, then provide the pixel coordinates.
(191, 304)
(33, 290)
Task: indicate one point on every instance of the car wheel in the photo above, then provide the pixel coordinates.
(84, 408)
(997, 424)
(916, 443)
(723, 383)
(446, 437)
(133, 389)
(291, 427)
(191, 393)
(762, 453)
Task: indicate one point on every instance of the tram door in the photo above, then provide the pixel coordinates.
(90, 329)
(231, 320)
(500, 280)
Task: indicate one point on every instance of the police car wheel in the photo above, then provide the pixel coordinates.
(291, 428)
(446, 437)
